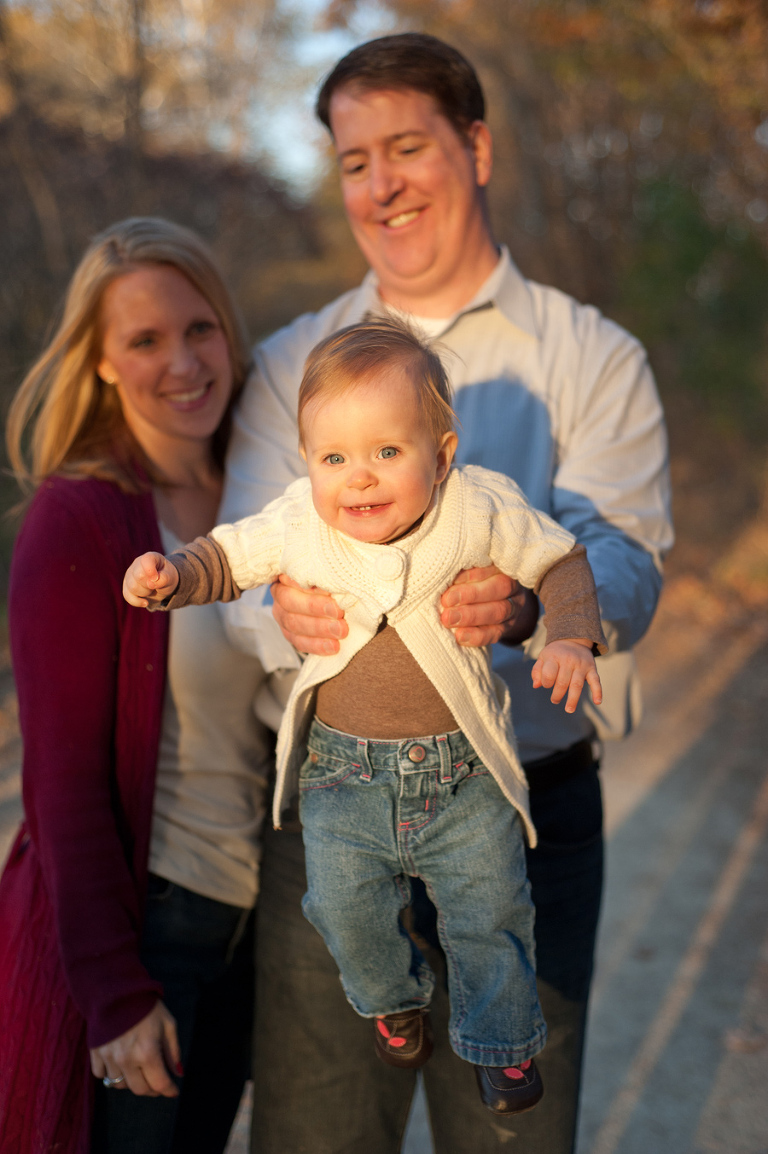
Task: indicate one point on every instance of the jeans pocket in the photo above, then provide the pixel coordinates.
(320, 770)
(472, 766)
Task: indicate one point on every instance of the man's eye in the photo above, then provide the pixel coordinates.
(335, 459)
(388, 453)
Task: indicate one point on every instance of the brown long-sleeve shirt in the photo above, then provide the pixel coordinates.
(383, 692)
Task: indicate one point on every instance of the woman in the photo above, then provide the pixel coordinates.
(125, 906)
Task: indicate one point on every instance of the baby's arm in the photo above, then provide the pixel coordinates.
(150, 578)
(567, 591)
(563, 666)
(195, 575)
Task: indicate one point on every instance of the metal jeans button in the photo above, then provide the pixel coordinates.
(417, 753)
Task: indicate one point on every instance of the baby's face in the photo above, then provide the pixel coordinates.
(372, 460)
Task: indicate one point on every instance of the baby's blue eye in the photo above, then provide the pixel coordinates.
(335, 459)
(388, 452)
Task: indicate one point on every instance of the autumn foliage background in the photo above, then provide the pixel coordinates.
(631, 171)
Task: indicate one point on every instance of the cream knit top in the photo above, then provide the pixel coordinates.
(478, 518)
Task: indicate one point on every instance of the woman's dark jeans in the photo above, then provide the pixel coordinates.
(202, 952)
(318, 1087)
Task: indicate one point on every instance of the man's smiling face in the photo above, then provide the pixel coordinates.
(411, 186)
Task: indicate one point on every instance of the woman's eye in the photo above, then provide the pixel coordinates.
(201, 328)
(335, 459)
(388, 453)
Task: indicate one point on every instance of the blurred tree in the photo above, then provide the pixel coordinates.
(22, 154)
(165, 73)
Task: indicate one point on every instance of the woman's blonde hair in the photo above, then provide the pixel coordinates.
(64, 418)
(354, 354)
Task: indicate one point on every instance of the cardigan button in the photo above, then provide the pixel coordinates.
(417, 753)
(390, 565)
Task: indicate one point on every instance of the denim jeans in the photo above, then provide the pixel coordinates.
(202, 952)
(318, 1087)
(376, 813)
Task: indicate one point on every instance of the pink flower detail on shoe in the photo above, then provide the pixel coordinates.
(391, 1041)
(516, 1072)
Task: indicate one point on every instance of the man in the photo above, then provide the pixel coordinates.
(561, 400)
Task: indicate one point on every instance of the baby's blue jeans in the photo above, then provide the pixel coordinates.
(376, 813)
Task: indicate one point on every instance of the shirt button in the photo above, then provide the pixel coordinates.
(389, 566)
(417, 753)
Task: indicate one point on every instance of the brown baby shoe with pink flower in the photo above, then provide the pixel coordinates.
(404, 1039)
(510, 1090)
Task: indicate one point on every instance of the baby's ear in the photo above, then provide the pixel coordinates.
(445, 452)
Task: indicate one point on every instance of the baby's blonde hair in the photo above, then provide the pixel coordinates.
(351, 356)
(64, 418)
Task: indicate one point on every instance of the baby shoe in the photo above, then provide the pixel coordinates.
(510, 1089)
(404, 1039)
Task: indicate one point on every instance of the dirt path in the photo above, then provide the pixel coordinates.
(678, 1052)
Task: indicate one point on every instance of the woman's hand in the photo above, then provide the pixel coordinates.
(309, 618)
(484, 606)
(142, 1056)
(151, 578)
(566, 665)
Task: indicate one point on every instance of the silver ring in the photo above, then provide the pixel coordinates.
(112, 1081)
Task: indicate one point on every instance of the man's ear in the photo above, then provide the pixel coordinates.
(446, 449)
(481, 144)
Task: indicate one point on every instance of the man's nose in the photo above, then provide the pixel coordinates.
(386, 181)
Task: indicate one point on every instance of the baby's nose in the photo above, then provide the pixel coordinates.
(361, 479)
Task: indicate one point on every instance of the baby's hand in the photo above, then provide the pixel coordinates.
(151, 578)
(566, 665)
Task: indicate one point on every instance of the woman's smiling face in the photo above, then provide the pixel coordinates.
(164, 350)
(372, 459)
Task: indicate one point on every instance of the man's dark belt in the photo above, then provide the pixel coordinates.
(559, 767)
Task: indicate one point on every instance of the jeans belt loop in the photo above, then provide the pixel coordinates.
(366, 769)
(446, 767)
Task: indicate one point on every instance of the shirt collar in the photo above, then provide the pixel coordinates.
(506, 288)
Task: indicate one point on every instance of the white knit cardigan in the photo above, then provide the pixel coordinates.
(478, 518)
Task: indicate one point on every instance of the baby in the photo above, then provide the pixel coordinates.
(409, 760)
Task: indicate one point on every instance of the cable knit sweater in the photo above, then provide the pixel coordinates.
(478, 518)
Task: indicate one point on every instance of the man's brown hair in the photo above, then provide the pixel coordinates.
(353, 355)
(409, 60)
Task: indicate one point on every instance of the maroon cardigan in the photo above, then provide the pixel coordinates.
(90, 674)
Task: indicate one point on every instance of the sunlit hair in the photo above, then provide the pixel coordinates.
(409, 60)
(64, 419)
(354, 355)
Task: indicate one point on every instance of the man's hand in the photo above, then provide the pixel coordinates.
(142, 1056)
(309, 618)
(484, 606)
(563, 667)
(151, 578)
